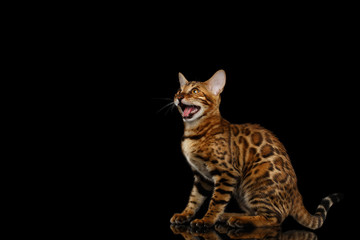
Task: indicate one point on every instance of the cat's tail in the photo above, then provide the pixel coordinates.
(302, 216)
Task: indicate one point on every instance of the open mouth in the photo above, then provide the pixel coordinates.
(189, 110)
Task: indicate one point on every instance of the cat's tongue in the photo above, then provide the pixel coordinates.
(188, 110)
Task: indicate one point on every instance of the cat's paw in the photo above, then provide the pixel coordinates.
(235, 222)
(180, 218)
(204, 222)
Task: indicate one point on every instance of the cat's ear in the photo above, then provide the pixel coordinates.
(217, 82)
(182, 80)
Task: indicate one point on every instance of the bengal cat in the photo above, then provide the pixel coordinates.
(241, 160)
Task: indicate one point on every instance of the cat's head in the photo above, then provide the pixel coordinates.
(198, 99)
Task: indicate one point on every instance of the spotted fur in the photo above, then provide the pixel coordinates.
(244, 161)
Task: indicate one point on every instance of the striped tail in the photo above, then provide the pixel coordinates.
(302, 216)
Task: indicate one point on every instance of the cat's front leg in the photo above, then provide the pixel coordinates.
(200, 191)
(224, 187)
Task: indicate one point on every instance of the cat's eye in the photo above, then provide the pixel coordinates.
(195, 91)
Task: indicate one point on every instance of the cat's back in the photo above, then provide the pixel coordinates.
(255, 136)
(257, 150)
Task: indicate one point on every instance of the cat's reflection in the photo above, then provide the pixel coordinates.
(189, 233)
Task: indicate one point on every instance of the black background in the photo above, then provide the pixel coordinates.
(288, 71)
(107, 72)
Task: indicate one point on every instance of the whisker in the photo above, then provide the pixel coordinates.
(171, 104)
(166, 99)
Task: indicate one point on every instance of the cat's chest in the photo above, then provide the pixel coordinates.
(190, 149)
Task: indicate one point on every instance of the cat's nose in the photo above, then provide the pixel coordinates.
(180, 97)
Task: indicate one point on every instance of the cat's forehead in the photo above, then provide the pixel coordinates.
(193, 84)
